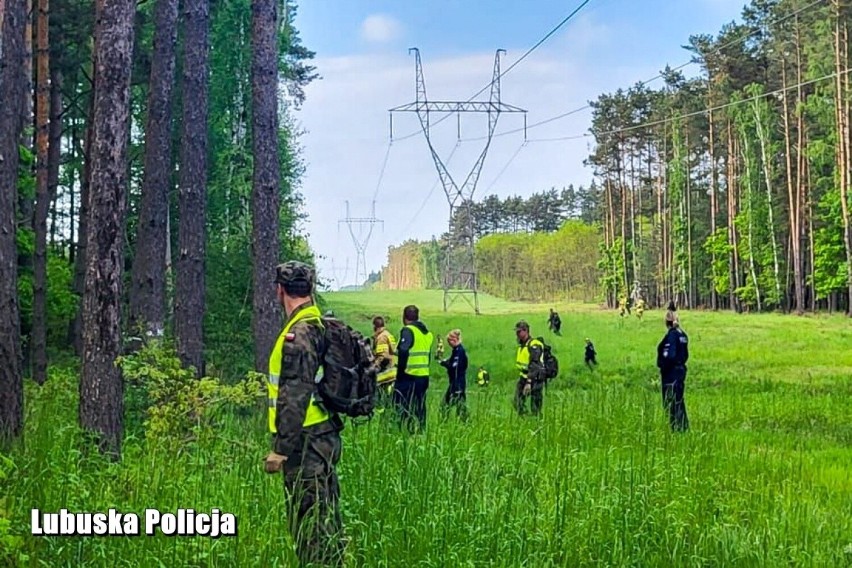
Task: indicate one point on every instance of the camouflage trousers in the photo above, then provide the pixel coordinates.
(536, 397)
(312, 493)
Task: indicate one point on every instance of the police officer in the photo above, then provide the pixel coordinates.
(456, 366)
(306, 438)
(530, 364)
(414, 355)
(590, 355)
(672, 355)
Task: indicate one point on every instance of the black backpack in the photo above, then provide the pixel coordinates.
(551, 363)
(348, 383)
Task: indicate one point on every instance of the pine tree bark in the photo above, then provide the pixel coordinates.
(733, 236)
(148, 277)
(12, 87)
(101, 383)
(841, 114)
(793, 189)
(801, 180)
(42, 206)
(192, 201)
(766, 160)
(714, 189)
(266, 314)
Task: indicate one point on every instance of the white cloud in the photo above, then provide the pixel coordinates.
(380, 28)
(346, 116)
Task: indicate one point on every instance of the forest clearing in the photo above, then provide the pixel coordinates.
(762, 478)
(179, 318)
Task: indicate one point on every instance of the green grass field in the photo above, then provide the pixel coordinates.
(763, 478)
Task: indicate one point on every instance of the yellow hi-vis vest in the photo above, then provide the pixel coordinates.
(315, 413)
(522, 359)
(420, 354)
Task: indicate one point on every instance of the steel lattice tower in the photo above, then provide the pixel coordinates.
(460, 278)
(359, 241)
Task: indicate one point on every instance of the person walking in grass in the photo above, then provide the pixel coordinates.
(529, 360)
(456, 365)
(672, 355)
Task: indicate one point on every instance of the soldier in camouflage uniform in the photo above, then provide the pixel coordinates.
(306, 438)
(529, 361)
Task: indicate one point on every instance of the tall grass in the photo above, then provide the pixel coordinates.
(764, 477)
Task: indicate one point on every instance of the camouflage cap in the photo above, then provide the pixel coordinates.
(294, 271)
(522, 325)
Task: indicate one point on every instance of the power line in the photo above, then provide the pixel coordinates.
(692, 61)
(431, 191)
(506, 166)
(694, 113)
(382, 172)
(547, 36)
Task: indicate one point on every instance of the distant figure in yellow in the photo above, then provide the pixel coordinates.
(482, 377)
(640, 308)
(622, 306)
(384, 348)
(439, 350)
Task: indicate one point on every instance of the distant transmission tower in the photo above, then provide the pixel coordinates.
(361, 241)
(460, 278)
(339, 281)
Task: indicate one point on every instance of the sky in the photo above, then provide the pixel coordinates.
(362, 58)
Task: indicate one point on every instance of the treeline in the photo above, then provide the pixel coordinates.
(536, 248)
(557, 266)
(731, 190)
(158, 154)
(540, 212)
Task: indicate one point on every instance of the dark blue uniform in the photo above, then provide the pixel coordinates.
(672, 355)
(456, 367)
(590, 354)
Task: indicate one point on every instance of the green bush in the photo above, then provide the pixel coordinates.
(173, 407)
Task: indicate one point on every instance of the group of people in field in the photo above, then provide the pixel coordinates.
(305, 427)
(404, 366)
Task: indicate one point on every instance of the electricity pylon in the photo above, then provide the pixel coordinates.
(460, 278)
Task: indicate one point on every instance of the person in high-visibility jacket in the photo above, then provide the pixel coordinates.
(306, 437)
(482, 377)
(414, 358)
(384, 349)
(531, 373)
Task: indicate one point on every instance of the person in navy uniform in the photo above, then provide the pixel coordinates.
(672, 355)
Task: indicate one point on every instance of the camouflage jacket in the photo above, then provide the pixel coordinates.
(299, 365)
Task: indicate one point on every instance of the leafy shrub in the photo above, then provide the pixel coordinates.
(176, 408)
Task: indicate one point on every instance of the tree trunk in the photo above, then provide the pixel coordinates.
(12, 85)
(733, 238)
(800, 197)
(843, 145)
(811, 278)
(763, 139)
(793, 202)
(192, 202)
(266, 315)
(26, 202)
(101, 383)
(714, 189)
(54, 146)
(148, 278)
(690, 280)
(76, 326)
(39, 324)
